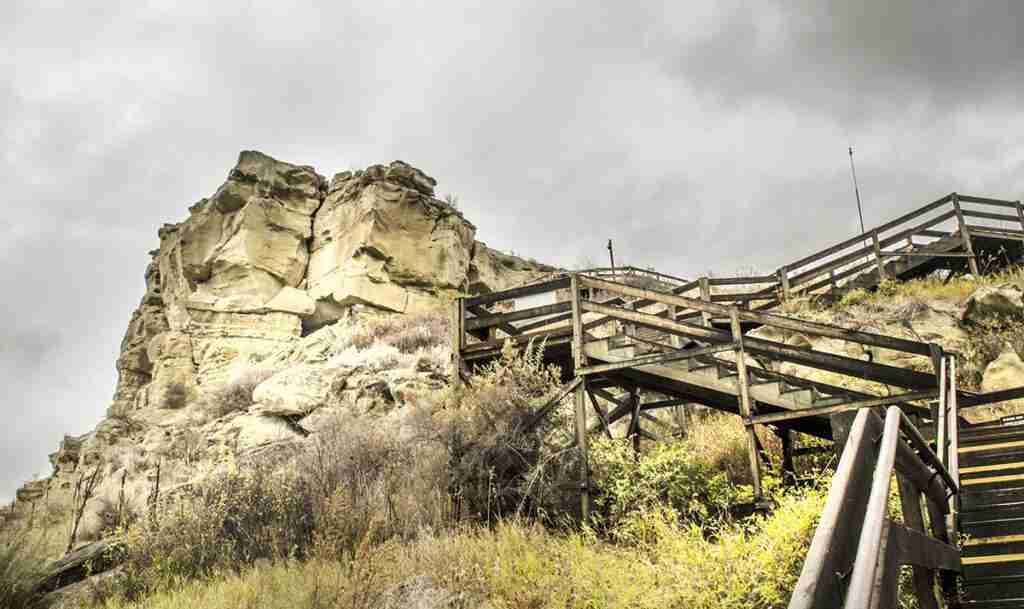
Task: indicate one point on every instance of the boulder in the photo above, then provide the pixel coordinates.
(988, 302)
(1004, 372)
(295, 391)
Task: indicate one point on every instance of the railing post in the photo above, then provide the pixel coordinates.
(953, 463)
(882, 276)
(924, 579)
(745, 405)
(579, 399)
(456, 322)
(783, 274)
(941, 425)
(705, 295)
(1020, 214)
(965, 235)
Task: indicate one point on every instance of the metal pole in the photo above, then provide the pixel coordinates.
(856, 192)
(611, 256)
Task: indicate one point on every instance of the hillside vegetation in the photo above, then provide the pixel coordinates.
(442, 498)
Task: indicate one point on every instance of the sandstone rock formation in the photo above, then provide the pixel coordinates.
(276, 270)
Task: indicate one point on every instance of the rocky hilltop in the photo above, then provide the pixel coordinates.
(263, 283)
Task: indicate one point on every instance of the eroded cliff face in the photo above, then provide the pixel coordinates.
(278, 251)
(276, 269)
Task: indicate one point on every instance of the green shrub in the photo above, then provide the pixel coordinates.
(499, 466)
(670, 477)
(21, 568)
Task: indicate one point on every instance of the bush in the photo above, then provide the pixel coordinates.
(670, 477)
(499, 467)
(21, 568)
(407, 333)
(236, 396)
(357, 484)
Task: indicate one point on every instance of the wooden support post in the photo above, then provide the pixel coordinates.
(705, 295)
(457, 338)
(942, 411)
(746, 411)
(784, 282)
(674, 339)
(634, 425)
(965, 234)
(882, 276)
(924, 579)
(580, 361)
(832, 278)
(1020, 214)
(788, 465)
(953, 462)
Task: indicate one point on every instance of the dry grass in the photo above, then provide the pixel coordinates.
(520, 565)
(236, 396)
(406, 333)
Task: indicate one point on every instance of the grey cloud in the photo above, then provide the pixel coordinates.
(859, 60)
(697, 137)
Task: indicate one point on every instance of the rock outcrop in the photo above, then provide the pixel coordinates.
(273, 271)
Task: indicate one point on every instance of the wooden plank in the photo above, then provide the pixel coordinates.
(542, 323)
(861, 583)
(543, 411)
(746, 407)
(834, 545)
(916, 548)
(924, 255)
(508, 328)
(455, 329)
(934, 233)
(602, 414)
(487, 321)
(991, 231)
(970, 213)
(1020, 214)
(836, 263)
(924, 578)
(860, 238)
(749, 280)
(878, 256)
(986, 201)
(658, 358)
(521, 292)
(965, 234)
(580, 361)
(825, 361)
(784, 282)
(521, 339)
(664, 404)
(769, 319)
(737, 296)
(776, 417)
(705, 295)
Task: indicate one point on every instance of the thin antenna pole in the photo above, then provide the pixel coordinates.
(611, 255)
(856, 192)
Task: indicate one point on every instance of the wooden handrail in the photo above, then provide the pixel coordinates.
(855, 536)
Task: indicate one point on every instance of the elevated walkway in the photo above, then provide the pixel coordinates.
(632, 341)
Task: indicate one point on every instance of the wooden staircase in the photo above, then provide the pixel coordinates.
(992, 516)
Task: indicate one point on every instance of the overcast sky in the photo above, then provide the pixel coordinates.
(697, 137)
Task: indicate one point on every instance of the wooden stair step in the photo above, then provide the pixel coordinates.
(996, 457)
(987, 481)
(991, 446)
(998, 435)
(993, 526)
(993, 565)
(980, 499)
(993, 588)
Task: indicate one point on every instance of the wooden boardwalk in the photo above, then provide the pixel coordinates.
(633, 341)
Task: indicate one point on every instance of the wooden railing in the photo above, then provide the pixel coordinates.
(855, 557)
(908, 236)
